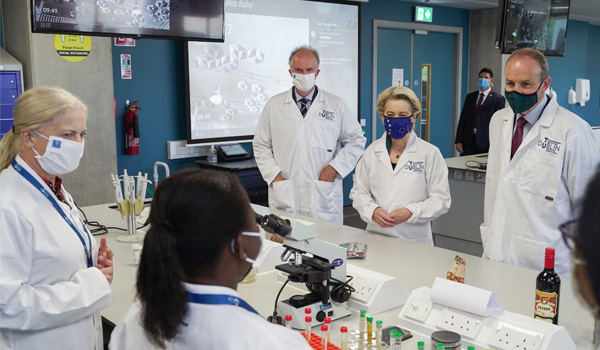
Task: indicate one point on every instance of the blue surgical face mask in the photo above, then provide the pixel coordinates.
(521, 102)
(484, 83)
(397, 128)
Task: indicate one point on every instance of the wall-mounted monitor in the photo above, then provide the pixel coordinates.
(228, 84)
(539, 24)
(162, 19)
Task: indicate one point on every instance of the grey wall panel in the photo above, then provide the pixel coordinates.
(482, 33)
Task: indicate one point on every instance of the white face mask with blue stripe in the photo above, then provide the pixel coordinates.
(62, 156)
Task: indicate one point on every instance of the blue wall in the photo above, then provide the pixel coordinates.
(581, 60)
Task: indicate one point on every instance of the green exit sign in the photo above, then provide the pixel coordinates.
(423, 14)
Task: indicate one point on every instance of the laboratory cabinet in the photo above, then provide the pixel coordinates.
(11, 87)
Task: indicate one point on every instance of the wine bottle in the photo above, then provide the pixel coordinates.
(547, 291)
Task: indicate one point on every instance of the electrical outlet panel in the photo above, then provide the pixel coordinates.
(502, 330)
(375, 292)
(508, 337)
(180, 149)
(464, 323)
(457, 174)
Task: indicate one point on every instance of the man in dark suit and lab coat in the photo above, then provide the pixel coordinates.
(472, 135)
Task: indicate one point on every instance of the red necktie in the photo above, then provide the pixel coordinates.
(517, 137)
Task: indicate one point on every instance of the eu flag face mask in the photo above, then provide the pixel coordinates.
(397, 128)
(521, 102)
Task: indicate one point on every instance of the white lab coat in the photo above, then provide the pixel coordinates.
(49, 298)
(526, 198)
(419, 183)
(210, 327)
(300, 148)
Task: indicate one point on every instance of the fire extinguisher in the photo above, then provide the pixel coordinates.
(132, 130)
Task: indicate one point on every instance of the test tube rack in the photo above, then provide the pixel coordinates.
(315, 342)
(503, 330)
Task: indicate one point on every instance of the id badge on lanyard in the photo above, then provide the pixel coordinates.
(87, 247)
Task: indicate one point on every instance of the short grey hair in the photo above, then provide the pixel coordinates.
(305, 48)
(536, 55)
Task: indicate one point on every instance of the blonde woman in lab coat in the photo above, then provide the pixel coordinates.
(202, 241)
(54, 279)
(401, 182)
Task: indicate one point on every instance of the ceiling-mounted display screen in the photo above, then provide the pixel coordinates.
(168, 19)
(229, 84)
(539, 24)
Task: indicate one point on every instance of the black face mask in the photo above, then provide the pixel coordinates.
(521, 102)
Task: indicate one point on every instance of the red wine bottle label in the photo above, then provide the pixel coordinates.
(545, 304)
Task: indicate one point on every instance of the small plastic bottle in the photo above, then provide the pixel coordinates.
(379, 324)
(421, 345)
(392, 339)
(327, 321)
(212, 154)
(288, 321)
(324, 331)
(361, 325)
(399, 336)
(369, 330)
(344, 332)
(307, 321)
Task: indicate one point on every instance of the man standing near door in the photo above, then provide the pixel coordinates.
(472, 135)
(298, 144)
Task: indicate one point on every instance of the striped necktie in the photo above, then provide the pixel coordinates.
(303, 108)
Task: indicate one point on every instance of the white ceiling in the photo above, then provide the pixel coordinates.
(581, 10)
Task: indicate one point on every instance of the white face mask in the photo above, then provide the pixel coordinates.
(61, 157)
(260, 234)
(304, 82)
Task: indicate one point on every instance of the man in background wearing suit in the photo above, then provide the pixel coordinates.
(472, 135)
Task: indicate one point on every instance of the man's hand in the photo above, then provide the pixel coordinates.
(382, 218)
(279, 177)
(459, 147)
(105, 263)
(328, 174)
(400, 215)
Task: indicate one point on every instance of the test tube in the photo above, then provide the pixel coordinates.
(361, 325)
(470, 348)
(369, 329)
(379, 324)
(440, 346)
(344, 332)
(399, 336)
(392, 339)
(307, 321)
(421, 345)
(324, 331)
(288, 321)
(327, 321)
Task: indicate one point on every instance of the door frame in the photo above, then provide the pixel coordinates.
(456, 76)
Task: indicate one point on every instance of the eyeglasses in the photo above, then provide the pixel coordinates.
(569, 233)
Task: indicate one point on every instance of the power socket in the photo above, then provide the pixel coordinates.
(363, 288)
(509, 337)
(419, 308)
(464, 323)
(180, 149)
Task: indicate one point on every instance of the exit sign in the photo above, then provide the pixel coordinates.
(423, 14)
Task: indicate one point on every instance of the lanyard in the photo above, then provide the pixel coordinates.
(220, 299)
(23, 172)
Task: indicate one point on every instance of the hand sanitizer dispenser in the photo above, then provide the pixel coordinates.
(582, 91)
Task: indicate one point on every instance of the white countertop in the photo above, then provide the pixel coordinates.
(415, 264)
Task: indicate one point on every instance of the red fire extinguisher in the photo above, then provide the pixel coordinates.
(132, 130)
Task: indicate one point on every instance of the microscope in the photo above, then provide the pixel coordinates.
(320, 265)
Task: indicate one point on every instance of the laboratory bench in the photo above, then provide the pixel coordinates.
(416, 265)
(458, 229)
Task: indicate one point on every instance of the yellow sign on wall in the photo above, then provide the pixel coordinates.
(72, 48)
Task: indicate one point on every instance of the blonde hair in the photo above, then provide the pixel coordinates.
(398, 93)
(37, 107)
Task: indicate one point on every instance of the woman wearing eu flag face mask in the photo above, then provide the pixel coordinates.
(401, 182)
(54, 279)
(202, 241)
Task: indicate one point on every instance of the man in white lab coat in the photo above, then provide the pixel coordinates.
(540, 160)
(298, 141)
